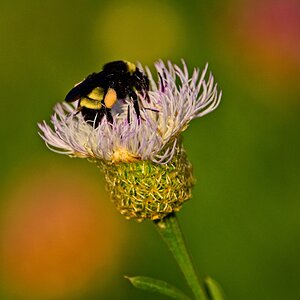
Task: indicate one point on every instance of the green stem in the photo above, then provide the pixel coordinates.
(171, 233)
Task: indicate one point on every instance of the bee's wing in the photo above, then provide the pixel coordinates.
(84, 87)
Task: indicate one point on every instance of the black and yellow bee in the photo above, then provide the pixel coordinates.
(99, 92)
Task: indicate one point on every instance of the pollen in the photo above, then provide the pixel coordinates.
(123, 155)
(110, 98)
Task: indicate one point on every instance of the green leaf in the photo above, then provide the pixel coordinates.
(158, 286)
(214, 290)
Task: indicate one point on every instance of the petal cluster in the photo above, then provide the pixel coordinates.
(176, 97)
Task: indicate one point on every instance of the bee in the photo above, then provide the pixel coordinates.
(99, 92)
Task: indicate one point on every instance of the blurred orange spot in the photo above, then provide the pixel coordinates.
(58, 234)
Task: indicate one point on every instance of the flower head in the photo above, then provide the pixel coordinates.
(145, 166)
(153, 137)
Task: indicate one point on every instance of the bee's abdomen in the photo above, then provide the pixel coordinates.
(92, 114)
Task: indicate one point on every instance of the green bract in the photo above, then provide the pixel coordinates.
(146, 190)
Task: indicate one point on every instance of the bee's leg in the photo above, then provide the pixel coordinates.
(146, 88)
(108, 115)
(136, 107)
(128, 114)
(147, 96)
(99, 117)
(162, 86)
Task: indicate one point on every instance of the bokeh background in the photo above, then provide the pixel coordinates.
(61, 238)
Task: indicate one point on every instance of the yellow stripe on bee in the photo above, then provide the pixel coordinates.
(96, 94)
(90, 103)
(130, 66)
(110, 98)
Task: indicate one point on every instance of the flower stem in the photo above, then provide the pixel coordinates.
(170, 231)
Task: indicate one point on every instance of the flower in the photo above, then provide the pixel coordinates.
(143, 160)
(154, 137)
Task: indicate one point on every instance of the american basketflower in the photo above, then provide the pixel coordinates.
(145, 166)
(148, 148)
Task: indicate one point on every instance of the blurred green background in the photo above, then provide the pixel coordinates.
(61, 238)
